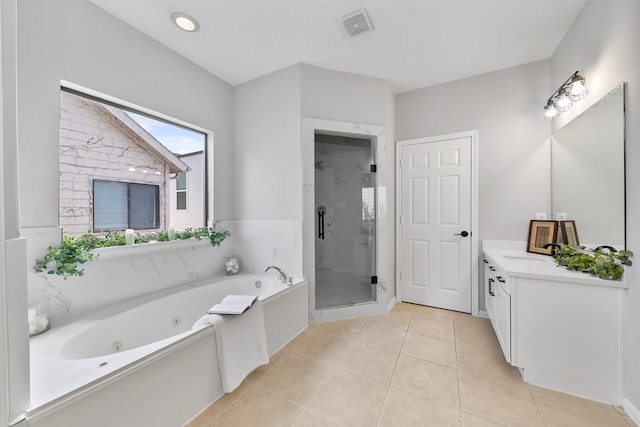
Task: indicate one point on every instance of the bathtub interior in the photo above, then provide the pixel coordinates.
(116, 330)
(87, 350)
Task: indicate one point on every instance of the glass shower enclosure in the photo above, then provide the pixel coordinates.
(345, 221)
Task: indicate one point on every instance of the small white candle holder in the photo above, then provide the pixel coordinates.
(38, 318)
(129, 236)
(232, 266)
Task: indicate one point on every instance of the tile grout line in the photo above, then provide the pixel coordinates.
(395, 366)
(253, 384)
(384, 403)
(535, 402)
(455, 348)
(323, 382)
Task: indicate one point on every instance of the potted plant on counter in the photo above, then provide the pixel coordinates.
(604, 261)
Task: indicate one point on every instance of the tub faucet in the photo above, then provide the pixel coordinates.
(601, 247)
(281, 274)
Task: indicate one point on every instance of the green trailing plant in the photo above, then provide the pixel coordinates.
(65, 259)
(599, 262)
(218, 236)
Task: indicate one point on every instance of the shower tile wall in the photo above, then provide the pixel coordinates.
(344, 258)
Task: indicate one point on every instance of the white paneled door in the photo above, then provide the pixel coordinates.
(435, 222)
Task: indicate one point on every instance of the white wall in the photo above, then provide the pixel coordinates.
(335, 95)
(603, 45)
(266, 124)
(513, 143)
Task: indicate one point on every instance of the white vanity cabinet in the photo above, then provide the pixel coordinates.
(562, 329)
(489, 294)
(502, 324)
(498, 305)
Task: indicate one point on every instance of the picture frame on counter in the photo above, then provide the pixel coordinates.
(540, 234)
(569, 233)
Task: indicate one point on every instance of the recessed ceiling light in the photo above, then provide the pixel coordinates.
(185, 22)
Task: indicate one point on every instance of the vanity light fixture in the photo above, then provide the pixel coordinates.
(185, 22)
(562, 99)
(563, 102)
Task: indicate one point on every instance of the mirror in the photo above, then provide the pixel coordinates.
(588, 172)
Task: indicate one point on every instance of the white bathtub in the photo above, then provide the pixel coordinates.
(146, 351)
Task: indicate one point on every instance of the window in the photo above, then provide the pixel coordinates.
(181, 191)
(120, 169)
(121, 205)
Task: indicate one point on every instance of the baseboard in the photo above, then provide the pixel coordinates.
(632, 411)
(483, 313)
(391, 304)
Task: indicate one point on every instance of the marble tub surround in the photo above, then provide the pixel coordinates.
(414, 366)
(123, 273)
(259, 243)
(108, 280)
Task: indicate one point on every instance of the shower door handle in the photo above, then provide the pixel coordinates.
(321, 211)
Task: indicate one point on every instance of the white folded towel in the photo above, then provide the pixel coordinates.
(242, 344)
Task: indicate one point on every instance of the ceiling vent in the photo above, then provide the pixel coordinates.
(356, 23)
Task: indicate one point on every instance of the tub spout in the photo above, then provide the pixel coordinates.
(281, 274)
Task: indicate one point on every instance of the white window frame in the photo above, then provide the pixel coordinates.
(208, 149)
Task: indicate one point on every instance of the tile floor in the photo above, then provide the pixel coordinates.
(416, 366)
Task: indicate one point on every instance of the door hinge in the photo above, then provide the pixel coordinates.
(374, 280)
(373, 168)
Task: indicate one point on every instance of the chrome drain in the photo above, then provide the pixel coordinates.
(176, 321)
(258, 284)
(116, 347)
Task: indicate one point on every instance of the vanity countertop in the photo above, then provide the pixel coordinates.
(516, 262)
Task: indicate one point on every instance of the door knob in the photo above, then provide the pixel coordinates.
(463, 234)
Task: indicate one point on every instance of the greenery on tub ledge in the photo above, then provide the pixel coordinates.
(64, 260)
(601, 262)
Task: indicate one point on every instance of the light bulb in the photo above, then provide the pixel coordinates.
(550, 111)
(564, 102)
(578, 90)
(185, 22)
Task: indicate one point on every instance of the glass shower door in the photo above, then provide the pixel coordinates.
(345, 203)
